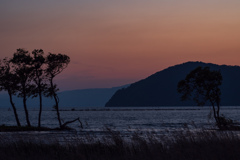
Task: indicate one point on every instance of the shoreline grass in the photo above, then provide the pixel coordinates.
(5, 128)
(187, 145)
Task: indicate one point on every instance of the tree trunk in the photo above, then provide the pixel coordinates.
(25, 108)
(38, 83)
(40, 109)
(215, 115)
(218, 107)
(14, 109)
(62, 126)
(56, 103)
(57, 109)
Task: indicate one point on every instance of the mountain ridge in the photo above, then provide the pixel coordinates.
(92, 97)
(160, 89)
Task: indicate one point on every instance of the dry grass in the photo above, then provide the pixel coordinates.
(186, 144)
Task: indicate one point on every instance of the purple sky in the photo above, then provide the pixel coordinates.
(112, 43)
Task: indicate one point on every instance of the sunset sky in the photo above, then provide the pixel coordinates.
(117, 42)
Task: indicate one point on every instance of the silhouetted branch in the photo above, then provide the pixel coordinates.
(68, 122)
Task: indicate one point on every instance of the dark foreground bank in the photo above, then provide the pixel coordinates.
(186, 145)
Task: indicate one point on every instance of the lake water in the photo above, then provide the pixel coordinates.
(125, 119)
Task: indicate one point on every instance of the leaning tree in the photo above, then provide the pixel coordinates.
(202, 85)
(22, 67)
(56, 63)
(9, 82)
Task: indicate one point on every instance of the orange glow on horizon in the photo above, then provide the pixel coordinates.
(115, 43)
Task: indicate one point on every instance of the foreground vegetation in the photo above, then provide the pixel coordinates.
(183, 144)
(4, 128)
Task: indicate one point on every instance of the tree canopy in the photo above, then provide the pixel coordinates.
(203, 85)
(31, 75)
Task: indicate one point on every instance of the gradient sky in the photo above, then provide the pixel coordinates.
(116, 42)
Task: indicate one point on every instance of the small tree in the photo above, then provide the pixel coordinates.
(9, 82)
(39, 78)
(22, 64)
(56, 63)
(203, 85)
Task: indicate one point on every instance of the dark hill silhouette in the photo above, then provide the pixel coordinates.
(160, 89)
(74, 98)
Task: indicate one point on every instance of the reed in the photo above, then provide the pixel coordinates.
(185, 144)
